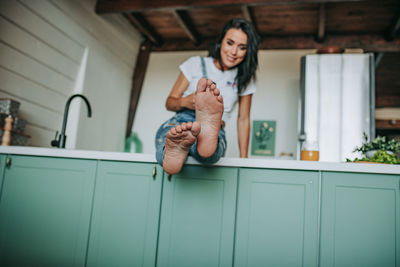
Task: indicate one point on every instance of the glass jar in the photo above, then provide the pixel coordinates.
(310, 151)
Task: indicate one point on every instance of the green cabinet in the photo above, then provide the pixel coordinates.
(2, 167)
(77, 212)
(277, 218)
(125, 218)
(45, 211)
(198, 217)
(360, 220)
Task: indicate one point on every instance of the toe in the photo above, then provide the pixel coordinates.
(189, 125)
(202, 85)
(213, 86)
(216, 92)
(220, 99)
(178, 129)
(184, 126)
(196, 127)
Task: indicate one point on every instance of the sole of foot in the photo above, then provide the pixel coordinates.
(209, 108)
(177, 145)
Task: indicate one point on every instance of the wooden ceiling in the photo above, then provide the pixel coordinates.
(179, 25)
(372, 25)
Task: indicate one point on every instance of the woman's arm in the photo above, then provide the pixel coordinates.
(175, 101)
(243, 124)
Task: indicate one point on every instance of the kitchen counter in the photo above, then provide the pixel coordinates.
(227, 162)
(101, 207)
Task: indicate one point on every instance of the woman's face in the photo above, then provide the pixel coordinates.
(233, 48)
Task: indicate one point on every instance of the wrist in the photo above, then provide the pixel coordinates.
(181, 103)
(243, 154)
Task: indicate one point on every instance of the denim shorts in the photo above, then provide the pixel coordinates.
(180, 117)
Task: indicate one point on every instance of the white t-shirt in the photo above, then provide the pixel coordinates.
(225, 81)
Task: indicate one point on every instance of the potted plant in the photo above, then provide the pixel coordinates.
(379, 149)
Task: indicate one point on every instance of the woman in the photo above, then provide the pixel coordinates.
(203, 97)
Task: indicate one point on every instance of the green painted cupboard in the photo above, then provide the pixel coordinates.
(277, 218)
(45, 206)
(78, 212)
(198, 217)
(125, 217)
(360, 219)
(2, 167)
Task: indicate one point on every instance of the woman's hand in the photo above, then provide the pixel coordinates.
(188, 101)
(175, 102)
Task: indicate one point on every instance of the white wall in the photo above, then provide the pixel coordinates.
(278, 80)
(42, 43)
(278, 84)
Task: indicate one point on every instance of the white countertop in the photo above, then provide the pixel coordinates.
(229, 162)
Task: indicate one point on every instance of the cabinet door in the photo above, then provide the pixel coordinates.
(45, 211)
(125, 216)
(360, 220)
(2, 165)
(277, 218)
(197, 217)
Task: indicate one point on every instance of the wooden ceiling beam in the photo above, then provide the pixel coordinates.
(141, 24)
(395, 30)
(187, 25)
(367, 42)
(126, 6)
(321, 23)
(378, 57)
(182, 45)
(248, 15)
(139, 73)
(370, 43)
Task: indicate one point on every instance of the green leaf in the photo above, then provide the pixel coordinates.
(379, 143)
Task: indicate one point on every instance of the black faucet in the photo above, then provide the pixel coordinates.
(60, 143)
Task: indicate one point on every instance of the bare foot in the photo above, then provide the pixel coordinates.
(177, 145)
(209, 108)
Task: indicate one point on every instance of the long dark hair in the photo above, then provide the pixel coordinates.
(247, 68)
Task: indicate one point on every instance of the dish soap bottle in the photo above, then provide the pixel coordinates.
(133, 144)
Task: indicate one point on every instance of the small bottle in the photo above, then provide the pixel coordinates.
(6, 139)
(310, 151)
(133, 143)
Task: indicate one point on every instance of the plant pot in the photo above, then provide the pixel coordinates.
(371, 153)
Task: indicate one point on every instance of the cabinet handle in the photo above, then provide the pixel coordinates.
(8, 162)
(154, 172)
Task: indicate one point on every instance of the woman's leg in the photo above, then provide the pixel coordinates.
(160, 138)
(174, 139)
(209, 109)
(219, 152)
(178, 142)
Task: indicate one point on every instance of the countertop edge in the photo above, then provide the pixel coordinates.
(224, 162)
